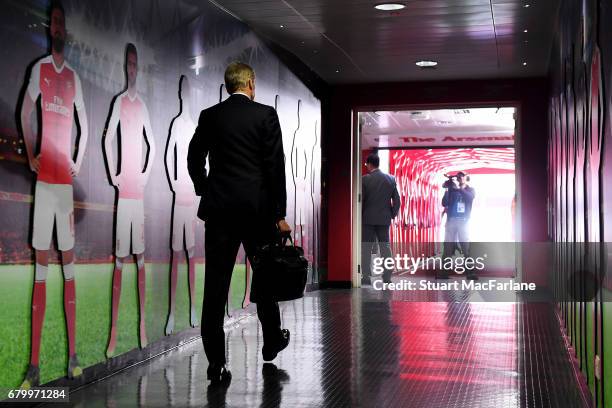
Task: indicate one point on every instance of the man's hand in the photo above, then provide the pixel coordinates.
(35, 163)
(283, 227)
(74, 170)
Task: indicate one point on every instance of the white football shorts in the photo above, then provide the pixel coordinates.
(184, 221)
(130, 227)
(53, 202)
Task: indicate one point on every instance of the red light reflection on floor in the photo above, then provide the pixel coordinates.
(452, 349)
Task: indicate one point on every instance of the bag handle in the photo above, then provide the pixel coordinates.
(284, 239)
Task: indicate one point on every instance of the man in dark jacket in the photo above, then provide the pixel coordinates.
(457, 202)
(380, 204)
(243, 202)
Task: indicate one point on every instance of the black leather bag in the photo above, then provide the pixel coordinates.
(279, 272)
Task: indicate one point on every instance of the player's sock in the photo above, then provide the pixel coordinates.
(115, 307)
(142, 286)
(191, 274)
(173, 278)
(70, 306)
(39, 302)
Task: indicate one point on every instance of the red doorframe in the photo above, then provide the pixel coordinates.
(528, 95)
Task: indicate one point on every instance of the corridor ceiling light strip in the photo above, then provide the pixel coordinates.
(389, 6)
(426, 64)
(220, 7)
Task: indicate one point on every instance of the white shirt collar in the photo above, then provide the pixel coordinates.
(241, 93)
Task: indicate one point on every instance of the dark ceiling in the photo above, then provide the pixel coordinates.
(348, 41)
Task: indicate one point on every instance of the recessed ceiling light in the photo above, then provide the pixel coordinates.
(337, 70)
(282, 26)
(426, 64)
(389, 6)
(525, 30)
(524, 64)
(527, 5)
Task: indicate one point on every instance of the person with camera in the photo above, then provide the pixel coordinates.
(457, 202)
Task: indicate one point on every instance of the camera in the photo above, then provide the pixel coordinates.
(450, 182)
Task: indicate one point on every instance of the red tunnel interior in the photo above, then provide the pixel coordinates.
(419, 228)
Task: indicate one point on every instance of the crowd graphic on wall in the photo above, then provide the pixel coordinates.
(72, 156)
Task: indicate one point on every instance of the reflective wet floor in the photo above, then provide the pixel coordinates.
(366, 348)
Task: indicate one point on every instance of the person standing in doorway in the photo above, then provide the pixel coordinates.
(457, 202)
(380, 204)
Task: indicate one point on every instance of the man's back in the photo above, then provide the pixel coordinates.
(380, 198)
(244, 146)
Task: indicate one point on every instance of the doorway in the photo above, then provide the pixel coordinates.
(421, 149)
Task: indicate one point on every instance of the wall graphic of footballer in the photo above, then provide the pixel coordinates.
(131, 114)
(57, 86)
(185, 209)
(54, 179)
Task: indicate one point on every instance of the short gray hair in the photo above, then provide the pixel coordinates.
(237, 76)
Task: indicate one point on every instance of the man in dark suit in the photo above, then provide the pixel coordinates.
(243, 201)
(380, 204)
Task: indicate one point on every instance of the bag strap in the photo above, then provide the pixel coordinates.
(284, 239)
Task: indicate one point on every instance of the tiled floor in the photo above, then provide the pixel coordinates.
(364, 348)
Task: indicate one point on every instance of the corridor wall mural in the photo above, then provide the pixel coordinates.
(100, 248)
(580, 192)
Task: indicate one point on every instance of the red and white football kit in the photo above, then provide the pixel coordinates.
(133, 117)
(60, 92)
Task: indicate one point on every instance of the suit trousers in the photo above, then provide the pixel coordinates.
(222, 241)
(372, 235)
(456, 231)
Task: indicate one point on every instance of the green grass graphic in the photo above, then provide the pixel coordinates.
(93, 289)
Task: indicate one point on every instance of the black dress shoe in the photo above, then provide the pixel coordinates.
(366, 281)
(218, 374)
(269, 354)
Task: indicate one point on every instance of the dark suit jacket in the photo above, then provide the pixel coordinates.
(380, 199)
(243, 143)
